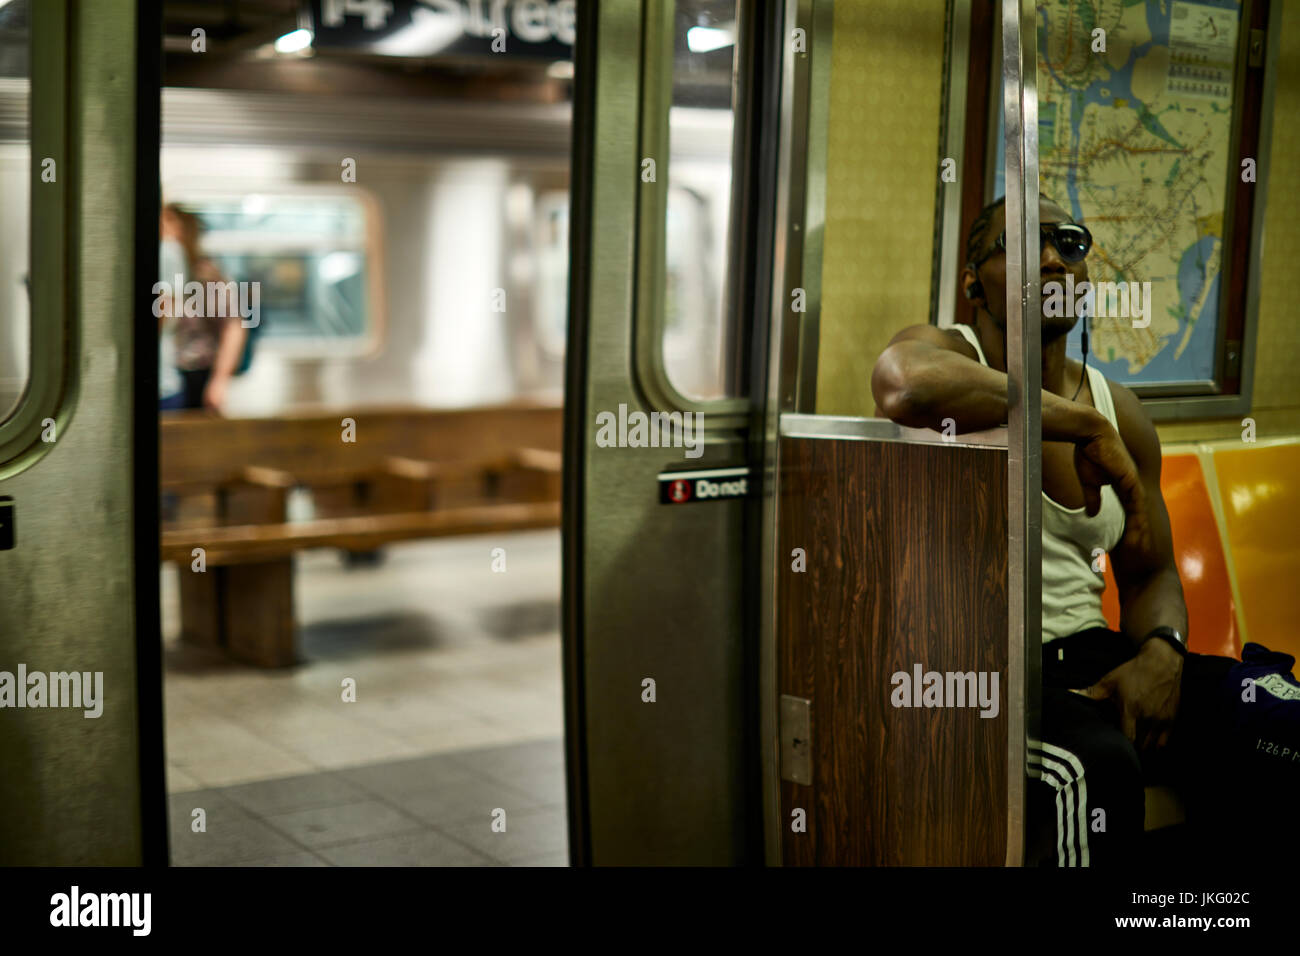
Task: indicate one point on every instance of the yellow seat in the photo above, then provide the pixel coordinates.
(1259, 486)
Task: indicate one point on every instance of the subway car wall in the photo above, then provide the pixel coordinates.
(871, 271)
(1186, 209)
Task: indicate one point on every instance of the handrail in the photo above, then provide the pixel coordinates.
(1024, 406)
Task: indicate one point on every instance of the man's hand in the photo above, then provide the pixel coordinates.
(1102, 459)
(1145, 692)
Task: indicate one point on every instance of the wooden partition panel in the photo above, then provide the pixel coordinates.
(906, 564)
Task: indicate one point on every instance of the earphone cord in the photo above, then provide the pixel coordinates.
(1083, 371)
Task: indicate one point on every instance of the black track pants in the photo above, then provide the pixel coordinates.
(1086, 800)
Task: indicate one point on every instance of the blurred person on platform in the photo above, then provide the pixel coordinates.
(207, 348)
(171, 389)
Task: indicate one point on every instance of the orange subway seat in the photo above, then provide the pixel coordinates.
(1211, 612)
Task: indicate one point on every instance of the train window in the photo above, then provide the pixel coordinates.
(700, 120)
(306, 260)
(15, 208)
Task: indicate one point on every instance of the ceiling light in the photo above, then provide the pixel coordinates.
(293, 42)
(428, 34)
(704, 39)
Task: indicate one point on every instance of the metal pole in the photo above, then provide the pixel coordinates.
(1024, 393)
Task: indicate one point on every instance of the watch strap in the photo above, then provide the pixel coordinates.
(1170, 635)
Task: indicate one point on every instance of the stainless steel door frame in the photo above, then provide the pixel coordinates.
(650, 591)
(792, 342)
(72, 791)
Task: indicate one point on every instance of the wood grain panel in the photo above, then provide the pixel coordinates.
(200, 604)
(906, 564)
(258, 614)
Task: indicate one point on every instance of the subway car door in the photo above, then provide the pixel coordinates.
(673, 170)
(80, 732)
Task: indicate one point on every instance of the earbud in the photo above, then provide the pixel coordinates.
(976, 289)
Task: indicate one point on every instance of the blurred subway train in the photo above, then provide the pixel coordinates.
(436, 432)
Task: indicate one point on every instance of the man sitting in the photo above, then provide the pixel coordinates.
(1114, 703)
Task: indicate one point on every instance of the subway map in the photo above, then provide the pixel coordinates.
(1134, 142)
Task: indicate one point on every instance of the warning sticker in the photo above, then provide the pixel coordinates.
(714, 484)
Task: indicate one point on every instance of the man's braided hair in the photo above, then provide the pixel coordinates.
(979, 230)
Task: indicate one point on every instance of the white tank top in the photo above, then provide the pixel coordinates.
(1073, 542)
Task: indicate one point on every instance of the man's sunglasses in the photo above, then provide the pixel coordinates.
(1071, 240)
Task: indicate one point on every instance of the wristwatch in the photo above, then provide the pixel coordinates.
(1168, 634)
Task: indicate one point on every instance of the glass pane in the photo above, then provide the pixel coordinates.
(699, 199)
(306, 255)
(15, 205)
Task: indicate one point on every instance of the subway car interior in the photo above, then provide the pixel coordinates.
(557, 433)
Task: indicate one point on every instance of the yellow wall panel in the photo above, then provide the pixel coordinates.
(882, 169)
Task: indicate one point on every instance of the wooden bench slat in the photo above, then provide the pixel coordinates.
(397, 466)
(418, 469)
(266, 477)
(540, 460)
(411, 473)
(250, 543)
(199, 450)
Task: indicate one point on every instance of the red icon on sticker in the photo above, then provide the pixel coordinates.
(680, 491)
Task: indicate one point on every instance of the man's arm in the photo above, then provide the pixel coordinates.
(1150, 591)
(230, 347)
(1147, 688)
(926, 375)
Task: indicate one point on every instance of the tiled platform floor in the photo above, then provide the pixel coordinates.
(458, 711)
(430, 811)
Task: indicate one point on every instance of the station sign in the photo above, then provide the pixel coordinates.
(710, 484)
(537, 29)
